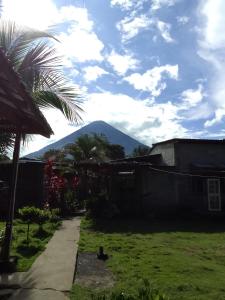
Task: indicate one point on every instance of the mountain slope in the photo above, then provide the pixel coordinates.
(113, 135)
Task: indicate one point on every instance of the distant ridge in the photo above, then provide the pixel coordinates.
(113, 135)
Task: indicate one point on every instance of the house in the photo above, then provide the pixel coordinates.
(197, 180)
(185, 175)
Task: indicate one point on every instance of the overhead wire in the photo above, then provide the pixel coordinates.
(185, 174)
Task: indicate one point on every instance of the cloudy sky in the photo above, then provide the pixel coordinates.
(154, 69)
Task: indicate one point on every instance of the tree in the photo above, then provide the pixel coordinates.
(32, 55)
(87, 147)
(141, 151)
(115, 151)
(54, 154)
(94, 147)
(6, 140)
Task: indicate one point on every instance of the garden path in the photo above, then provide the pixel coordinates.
(51, 276)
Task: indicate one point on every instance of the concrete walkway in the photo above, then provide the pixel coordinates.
(51, 275)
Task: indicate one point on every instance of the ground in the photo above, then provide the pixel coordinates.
(27, 253)
(184, 259)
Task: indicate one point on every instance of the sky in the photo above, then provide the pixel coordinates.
(154, 69)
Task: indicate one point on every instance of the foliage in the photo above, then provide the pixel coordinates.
(2, 235)
(145, 291)
(41, 217)
(54, 155)
(70, 201)
(141, 151)
(184, 258)
(99, 206)
(54, 185)
(115, 151)
(32, 55)
(27, 253)
(54, 215)
(28, 215)
(95, 148)
(6, 142)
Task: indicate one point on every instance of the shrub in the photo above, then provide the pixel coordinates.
(54, 215)
(31, 214)
(41, 217)
(28, 214)
(70, 202)
(101, 207)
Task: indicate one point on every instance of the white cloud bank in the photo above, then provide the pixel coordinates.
(153, 80)
(122, 63)
(153, 121)
(192, 97)
(78, 43)
(92, 73)
(164, 29)
(212, 48)
(131, 27)
(157, 4)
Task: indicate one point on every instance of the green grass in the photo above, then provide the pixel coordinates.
(185, 260)
(27, 253)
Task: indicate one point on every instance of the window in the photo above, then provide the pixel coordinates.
(214, 201)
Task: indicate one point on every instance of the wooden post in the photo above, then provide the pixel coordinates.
(9, 223)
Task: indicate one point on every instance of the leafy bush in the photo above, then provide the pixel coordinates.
(28, 214)
(41, 217)
(100, 207)
(31, 214)
(2, 235)
(70, 202)
(54, 215)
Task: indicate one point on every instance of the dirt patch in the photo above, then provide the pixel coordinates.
(92, 272)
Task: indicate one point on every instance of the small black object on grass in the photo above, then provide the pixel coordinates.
(101, 255)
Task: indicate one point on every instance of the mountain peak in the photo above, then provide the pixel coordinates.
(113, 135)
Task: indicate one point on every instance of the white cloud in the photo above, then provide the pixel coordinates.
(93, 72)
(128, 4)
(59, 125)
(219, 115)
(130, 27)
(122, 63)
(182, 20)
(157, 4)
(153, 79)
(125, 4)
(153, 122)
(78, 43)
(164, 29)
(212, 49)
(192, 97)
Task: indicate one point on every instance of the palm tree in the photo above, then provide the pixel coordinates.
(32, 55)
(34, 58)
(88, 147)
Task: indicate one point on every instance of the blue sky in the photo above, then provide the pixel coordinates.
(152, 68)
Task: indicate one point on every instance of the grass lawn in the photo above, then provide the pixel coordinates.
(27, 253)
(185, 260)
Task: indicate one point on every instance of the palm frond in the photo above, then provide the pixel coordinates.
(39, 67)
(38, 61)
(69, 107)
(16, 41)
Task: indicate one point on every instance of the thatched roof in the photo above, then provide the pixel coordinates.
(18, 111)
